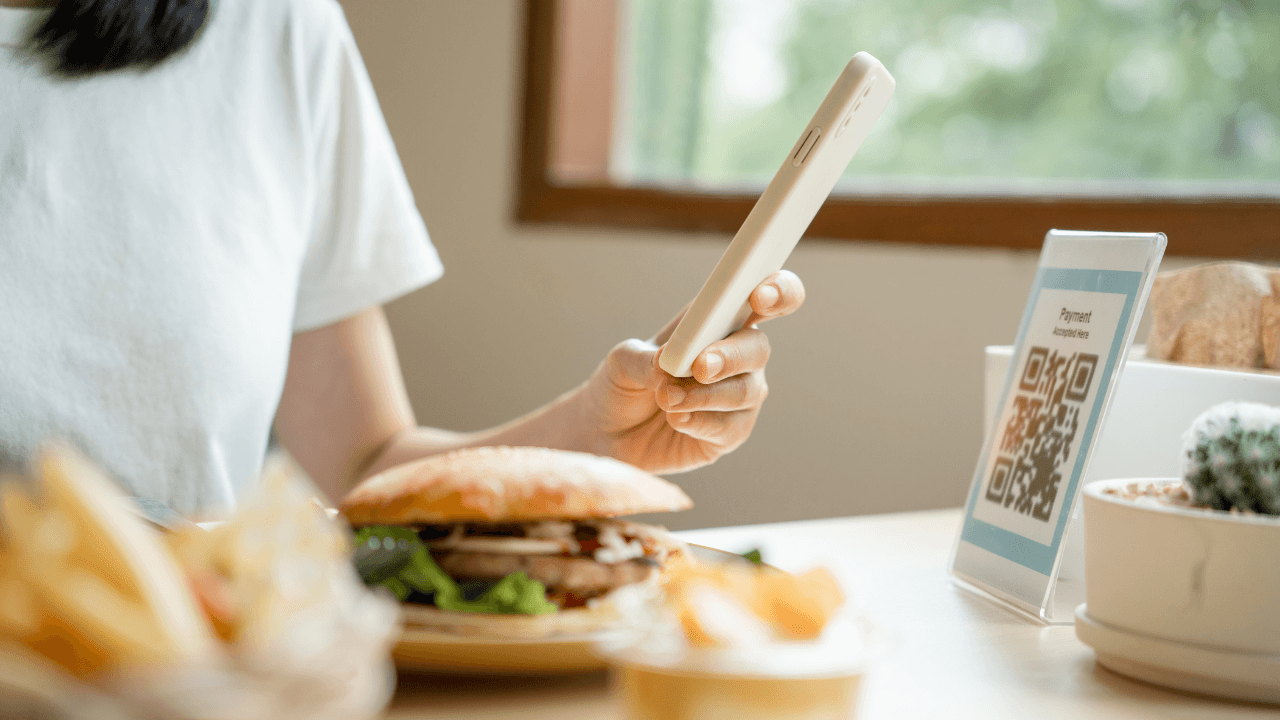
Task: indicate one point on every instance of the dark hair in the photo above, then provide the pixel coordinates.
(88, 36)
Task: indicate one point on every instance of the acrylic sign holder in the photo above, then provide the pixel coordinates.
(1021, 542)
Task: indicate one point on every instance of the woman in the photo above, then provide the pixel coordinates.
(201, 214)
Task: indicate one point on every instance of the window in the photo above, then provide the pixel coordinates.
(1010, 118)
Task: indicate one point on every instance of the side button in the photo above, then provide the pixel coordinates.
(803, 151)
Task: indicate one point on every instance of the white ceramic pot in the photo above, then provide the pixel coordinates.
(1182, 596)
(1199, 576)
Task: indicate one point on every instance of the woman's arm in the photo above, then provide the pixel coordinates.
(344, 413)
(343, 400)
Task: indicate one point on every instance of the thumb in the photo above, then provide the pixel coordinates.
(633, 365)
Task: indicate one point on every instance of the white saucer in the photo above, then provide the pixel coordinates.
(1195, 668)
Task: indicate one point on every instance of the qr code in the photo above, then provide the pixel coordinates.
(1041, 431)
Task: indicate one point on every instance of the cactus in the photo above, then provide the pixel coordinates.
(1231, 458)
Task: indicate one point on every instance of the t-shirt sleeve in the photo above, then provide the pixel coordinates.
(368, 243)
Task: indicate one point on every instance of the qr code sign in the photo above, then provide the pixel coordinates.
(1040, 433)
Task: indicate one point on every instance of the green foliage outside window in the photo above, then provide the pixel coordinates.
(1054, 90)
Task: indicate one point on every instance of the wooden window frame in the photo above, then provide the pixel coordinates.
(1238, 227)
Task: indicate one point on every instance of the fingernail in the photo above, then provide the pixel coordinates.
(768, 295)
(681, 418)
(714, 364)
(675, 395)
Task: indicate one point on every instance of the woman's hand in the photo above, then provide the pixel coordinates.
(344, 413)
(666, 424)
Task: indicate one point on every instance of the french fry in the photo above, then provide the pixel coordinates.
(86, 584)
(18, 513)
(18, 615)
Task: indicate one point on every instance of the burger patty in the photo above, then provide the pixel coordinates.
(571, 574)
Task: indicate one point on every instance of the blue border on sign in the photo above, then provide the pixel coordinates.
(1010, 545)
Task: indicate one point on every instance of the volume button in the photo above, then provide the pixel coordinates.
(803, 151)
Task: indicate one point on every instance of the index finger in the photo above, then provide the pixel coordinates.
(780, 294)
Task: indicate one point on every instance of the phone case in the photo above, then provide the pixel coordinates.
(783, 211)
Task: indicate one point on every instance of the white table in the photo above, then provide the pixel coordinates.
(956, 655)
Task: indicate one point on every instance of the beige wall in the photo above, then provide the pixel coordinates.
(876, 395)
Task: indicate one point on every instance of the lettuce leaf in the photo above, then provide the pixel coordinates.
(397, 559)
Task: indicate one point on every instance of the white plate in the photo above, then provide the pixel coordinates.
(1183, 666)
(428, 651)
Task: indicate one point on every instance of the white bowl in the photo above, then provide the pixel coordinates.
(1193, 592)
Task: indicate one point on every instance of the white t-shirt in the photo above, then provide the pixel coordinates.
(164, 232)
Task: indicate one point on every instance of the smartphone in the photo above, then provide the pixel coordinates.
(782, 213)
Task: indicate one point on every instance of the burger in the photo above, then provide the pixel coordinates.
(511, 542)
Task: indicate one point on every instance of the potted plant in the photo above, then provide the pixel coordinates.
(1182, 575)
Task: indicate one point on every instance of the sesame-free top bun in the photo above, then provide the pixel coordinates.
(500, 484)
